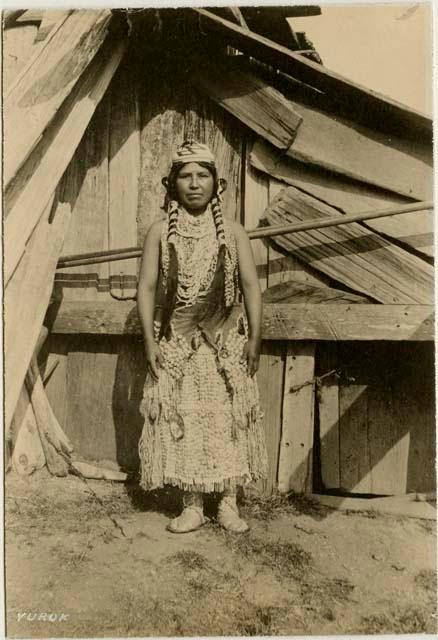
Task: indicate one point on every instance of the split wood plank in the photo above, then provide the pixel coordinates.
(404, 506)
(360, 259)
(270, 377)
(282, 267)
(296, 444)
(328, 405)
(259, 106)
(30, 195)
(337, 145)
(205, 121)
(50, 444)
(333, 84)
(18, 47)
(41, 89)
(124, 174)
(91, 374)
(413, 229)
(256, 201)
(50, 19)
(56, 387)
(89, 225)
(27, 454)
(413, 396)
(26, 299)
(280, 321)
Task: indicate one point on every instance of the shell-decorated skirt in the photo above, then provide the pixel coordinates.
(203, 428)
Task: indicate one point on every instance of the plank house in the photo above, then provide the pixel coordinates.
(94, 104)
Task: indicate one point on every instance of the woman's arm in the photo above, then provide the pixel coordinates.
(147, 284)
(252, 297)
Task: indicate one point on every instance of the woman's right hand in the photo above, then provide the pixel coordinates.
(154, 359)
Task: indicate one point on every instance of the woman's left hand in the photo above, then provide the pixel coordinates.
(251, 354)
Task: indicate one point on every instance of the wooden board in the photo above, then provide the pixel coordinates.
(360, 259)
(31, 191)
(105, 378)
(413, 229)
(89, 227)
(27, 297)
(328, 411)
(335, 144)
(295, 465)
(260, 107)
(283, 267)
(294, 292)
(256, 201)
(270, 378)
(378, 106)
(18, 47)
(47, 80)
(415, 409)
(56, 349)
(124, 173)
(280, 321)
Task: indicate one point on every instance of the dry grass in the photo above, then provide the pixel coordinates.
(414, 619)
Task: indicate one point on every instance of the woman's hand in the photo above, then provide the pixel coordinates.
(154, 359)
(251, 354)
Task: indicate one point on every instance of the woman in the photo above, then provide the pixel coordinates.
(202, 430)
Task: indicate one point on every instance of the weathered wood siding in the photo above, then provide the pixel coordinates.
(375, 423)
(376, 420)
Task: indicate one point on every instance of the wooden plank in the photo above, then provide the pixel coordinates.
(296, 444)
(26, 201)
(280, 321)
(124, 173)
(282, 267)
(270, 381)
(360, 259)
(334, 144)
(260, 107)
(328, 406)
(405, 506)
(27, 297)
(56, 349)
(379, 107)
(413, 229)
(355, 469)
(256, 201)
(27, 454)
(415, 408)
(18, 47)
(49, 21)
(89, 226)
(105, 379)
(39, 92)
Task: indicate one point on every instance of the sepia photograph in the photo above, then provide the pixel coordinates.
(218, 311)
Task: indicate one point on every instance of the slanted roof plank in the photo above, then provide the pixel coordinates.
(412, 229)
(47, 80)
(262, 108)
(351, 254)
(315, 74)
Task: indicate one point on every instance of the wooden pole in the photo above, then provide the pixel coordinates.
(96, 257)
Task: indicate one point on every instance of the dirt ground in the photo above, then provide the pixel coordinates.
(97, 559)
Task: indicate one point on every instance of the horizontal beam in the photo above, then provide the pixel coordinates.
(280, 321)
(112, 255)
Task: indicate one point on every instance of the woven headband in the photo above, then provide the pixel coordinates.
(192, 151)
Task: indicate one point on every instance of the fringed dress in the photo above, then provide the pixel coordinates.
(203, 426)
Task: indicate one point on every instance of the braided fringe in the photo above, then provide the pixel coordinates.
(172, 275)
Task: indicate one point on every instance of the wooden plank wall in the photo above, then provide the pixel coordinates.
(376, 422)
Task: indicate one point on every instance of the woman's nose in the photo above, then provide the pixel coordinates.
(194, 182)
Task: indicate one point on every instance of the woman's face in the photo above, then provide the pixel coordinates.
(194, 187)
